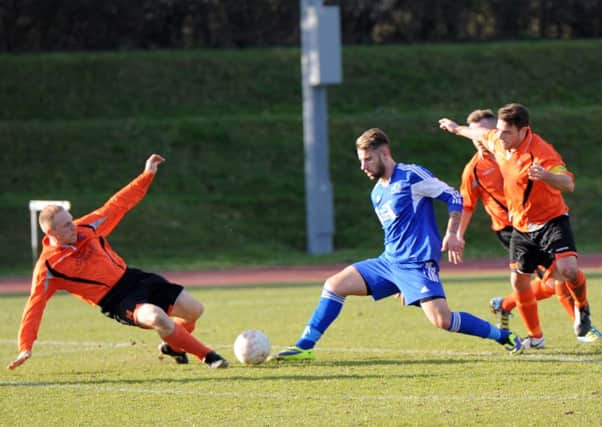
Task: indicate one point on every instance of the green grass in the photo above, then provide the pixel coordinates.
(379, 364)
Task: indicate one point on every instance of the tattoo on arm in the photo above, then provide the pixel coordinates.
(453, 223)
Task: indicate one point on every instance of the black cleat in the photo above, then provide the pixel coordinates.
(180, 357)
(215, 361)
(583, 321)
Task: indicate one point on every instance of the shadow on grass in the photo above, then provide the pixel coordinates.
(204, 379)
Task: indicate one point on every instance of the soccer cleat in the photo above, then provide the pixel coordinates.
(592, 336)
(513, 344)
(179, 356)
(502, 316)
(215, 361)
(294, 353)
(583, 321)
(535, 343)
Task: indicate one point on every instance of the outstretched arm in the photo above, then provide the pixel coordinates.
(106, 218)
(474, 133)
(153, 162)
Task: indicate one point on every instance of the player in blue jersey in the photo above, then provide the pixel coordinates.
(403, 201)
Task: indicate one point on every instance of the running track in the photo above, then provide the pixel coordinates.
(299, 274)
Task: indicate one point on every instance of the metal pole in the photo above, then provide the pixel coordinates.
(318, 187)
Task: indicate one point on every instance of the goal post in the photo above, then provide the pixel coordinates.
(36, 206)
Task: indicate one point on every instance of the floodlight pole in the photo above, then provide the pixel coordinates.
(320, 65)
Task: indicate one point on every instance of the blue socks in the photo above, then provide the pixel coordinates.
(466, 323)
(326, 312)
(330, 306)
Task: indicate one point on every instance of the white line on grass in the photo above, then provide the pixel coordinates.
(287, 396)
(95, 345)
(454, 353)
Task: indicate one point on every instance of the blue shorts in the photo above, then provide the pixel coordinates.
(416, 281)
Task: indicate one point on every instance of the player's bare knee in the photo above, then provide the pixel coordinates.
(569, 272)
(151, 316)
(200, 310)
(331, 284)
(188, 308)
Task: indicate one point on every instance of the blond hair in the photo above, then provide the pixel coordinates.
(372, 138)
(46, 218)
(478, 115)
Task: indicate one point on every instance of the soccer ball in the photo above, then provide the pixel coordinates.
(252, 347)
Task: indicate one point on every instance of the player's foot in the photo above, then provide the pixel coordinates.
(179, 356)
(513, 344)
(592, 336)
(502, 316)
(583, 321)
(535, 343)
(294, 353)
(215, 361)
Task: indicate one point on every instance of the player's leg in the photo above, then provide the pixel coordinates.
(524, 259)
(557, 238)
(185, 312)
(439, 314)
(576, 283)
(153, 300)
(565, 299)
(150, 316)
(336, 288)
(502, 307)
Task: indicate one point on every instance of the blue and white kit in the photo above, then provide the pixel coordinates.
(410, 261)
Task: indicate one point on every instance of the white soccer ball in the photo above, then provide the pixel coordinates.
(252, 347)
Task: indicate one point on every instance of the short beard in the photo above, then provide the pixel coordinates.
(380, 172)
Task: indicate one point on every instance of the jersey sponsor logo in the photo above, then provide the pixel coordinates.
(385, 213)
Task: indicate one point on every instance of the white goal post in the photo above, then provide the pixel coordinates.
(36, 206)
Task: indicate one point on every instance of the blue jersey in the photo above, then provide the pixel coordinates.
(404, 207)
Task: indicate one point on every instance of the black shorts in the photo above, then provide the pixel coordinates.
(528, 250)
(504, 236)
(134, 288)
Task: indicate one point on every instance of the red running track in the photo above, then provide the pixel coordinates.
(299, 274)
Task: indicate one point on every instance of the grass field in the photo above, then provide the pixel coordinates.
(378, 365)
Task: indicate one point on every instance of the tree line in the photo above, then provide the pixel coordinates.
(65, 25)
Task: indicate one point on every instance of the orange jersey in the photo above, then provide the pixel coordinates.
(89, 268)
(482, 180)
(531, 203)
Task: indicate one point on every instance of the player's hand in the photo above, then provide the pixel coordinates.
(454, 248)
(21, 358)
(537, 172)
(153, 162)
(448, 125)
